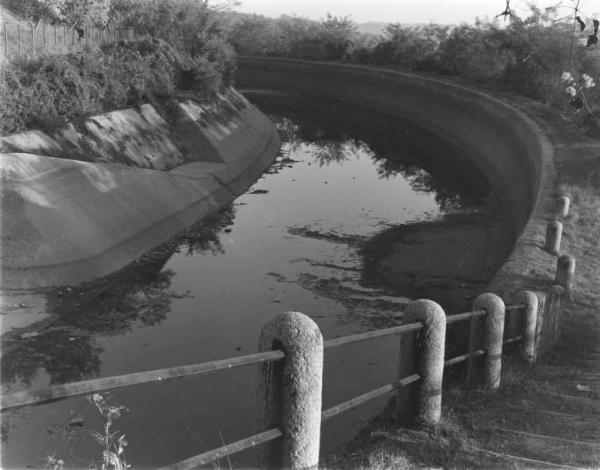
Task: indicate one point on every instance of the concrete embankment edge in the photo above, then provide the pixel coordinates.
(66, 222)
(505, 143)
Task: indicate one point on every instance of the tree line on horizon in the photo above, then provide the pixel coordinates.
(525, 54)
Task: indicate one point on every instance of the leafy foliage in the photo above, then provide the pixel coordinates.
(522, 55)
(72, 431)
(88, 13)
(526, 55)
(71, 12)
(36, 11)
(52, 90)
(183, 49)
(188, 25)
(292, 36)
(191, 28)
(114, 447)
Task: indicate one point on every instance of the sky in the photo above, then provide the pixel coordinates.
(396, 11)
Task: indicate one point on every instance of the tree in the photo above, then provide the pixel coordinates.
(120, 10)
(85, 13)
(337, 34)
(255, 35)
(36, 11)
(297, 36)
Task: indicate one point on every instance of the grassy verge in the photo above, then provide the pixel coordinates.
(558, 398)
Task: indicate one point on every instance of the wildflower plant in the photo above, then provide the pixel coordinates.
(54, 463)
(112, 442)
(114, 445)
(576, 89)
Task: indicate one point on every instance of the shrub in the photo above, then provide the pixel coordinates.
(45, 90)
(49, 91)
(292, 36)
(183, 48)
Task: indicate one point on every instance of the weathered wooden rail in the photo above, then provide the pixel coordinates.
(290, 361)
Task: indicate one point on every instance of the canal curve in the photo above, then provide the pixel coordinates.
(505, 143)
(205, 294)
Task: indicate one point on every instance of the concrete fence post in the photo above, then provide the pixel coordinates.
(541, 319)
(554, 231)
(492, 337)
(559, 292)
(563, 204)
(530, 318)
(289, 391)
(429, 358)
(565, 270)
(554, 313)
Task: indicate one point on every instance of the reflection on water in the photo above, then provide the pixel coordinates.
(64, 346)
(396, 148)
(325, 231)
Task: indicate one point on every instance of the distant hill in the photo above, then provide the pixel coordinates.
(378, 27)
(372, 27)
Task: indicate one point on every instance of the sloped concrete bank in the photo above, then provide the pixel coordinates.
(506, 144)
(67, 221)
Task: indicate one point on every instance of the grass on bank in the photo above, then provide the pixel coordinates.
(558, 397)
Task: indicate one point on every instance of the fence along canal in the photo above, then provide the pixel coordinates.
(290, 364)
(17, 40)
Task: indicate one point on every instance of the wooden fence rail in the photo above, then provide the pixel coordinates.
(86, 387)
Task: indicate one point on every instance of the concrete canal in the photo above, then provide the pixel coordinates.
(361, 212)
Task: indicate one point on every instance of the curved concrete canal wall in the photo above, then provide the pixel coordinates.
(505, 143)
(66, 221)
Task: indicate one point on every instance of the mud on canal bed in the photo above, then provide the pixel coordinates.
(359, 214)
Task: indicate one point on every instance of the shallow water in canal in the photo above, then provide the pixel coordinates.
(359, 214)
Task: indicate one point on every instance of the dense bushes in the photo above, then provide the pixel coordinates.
(292, 36)
(52, 90)
(190, 26)
(183, 49)
(590, 120)
(526, 55)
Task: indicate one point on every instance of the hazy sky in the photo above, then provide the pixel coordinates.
(400, 11)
